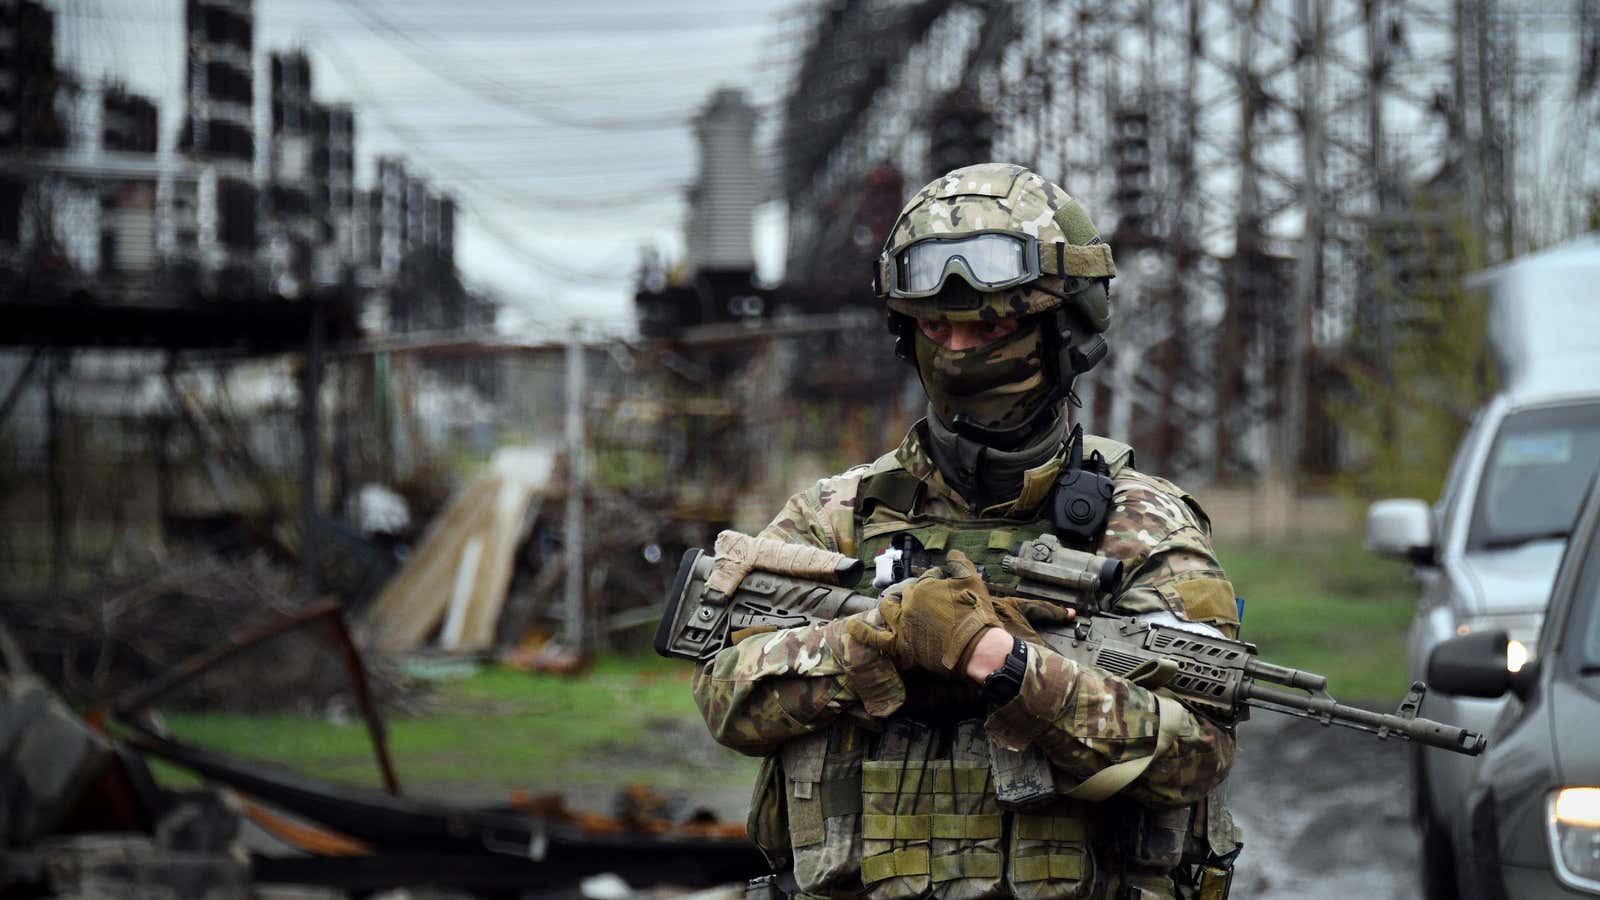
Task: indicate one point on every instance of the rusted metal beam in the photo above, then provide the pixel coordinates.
(135, 701)
(369, 706)
(311, 448)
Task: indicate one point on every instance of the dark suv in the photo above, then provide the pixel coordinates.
(1531, 828)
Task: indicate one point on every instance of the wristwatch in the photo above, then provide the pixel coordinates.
(1003, 684)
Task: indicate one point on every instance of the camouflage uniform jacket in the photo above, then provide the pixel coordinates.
(770, 690)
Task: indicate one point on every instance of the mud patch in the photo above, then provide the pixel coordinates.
(1325, 812)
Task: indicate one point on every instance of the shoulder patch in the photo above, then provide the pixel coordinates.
(1203, 597)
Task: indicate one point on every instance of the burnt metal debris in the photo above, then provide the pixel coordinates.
(83, 814)
(329, 613)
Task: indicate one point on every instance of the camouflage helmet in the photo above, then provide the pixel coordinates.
(1005, 199)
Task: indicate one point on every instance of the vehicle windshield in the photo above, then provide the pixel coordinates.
(1540, 463)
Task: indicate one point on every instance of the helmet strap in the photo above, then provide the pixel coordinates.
(1072, 360)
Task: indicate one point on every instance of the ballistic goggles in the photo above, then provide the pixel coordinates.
(987, 260)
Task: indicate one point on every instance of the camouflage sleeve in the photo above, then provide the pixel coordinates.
(1085, 720)
(820, 515)
(772, 687)
(800, 522)
(1164, 541)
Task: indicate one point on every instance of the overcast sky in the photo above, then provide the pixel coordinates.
(562, 129)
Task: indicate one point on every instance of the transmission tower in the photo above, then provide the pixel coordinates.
(1257, 165)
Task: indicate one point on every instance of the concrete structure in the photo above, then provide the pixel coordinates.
(723, 200)
(296, 172)
(392, 219)
(219, 136)
(28, 76)
(337, 253)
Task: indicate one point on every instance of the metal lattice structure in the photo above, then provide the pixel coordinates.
(1250, 160)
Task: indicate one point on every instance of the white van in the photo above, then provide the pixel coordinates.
(1486, 553)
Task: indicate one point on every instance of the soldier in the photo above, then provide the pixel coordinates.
(884, 733)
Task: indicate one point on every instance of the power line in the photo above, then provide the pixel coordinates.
(499, 93)
(464, 172)
(488, 224)
(670, 22)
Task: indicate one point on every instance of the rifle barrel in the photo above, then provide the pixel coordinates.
(1423, 731)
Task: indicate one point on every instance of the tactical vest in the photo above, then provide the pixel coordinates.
(911, 811)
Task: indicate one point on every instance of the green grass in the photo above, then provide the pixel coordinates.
(1331, 608)
(627, 720)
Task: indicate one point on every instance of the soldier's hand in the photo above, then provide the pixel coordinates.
(871, 628)
(938, 618)
(934, 622)
(1034, 614)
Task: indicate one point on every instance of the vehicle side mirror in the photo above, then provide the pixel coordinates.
(1471, 666)
(1402, 528)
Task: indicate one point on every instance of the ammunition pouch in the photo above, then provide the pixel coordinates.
(768, 821)
(915, 812)
(1160, 838)
(897, 790)
(968, 825)
(1049, 855)
(1207, 841)
(1216, 842)
(822, 779)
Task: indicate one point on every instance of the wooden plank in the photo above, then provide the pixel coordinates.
(524, 473)
(413, 603)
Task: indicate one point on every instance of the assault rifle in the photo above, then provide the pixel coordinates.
(1221, 676)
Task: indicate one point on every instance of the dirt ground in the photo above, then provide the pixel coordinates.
(1324, 813)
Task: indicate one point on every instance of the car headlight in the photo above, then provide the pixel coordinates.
(1574, 816)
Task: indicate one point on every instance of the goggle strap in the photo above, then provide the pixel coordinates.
(1081, 260)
